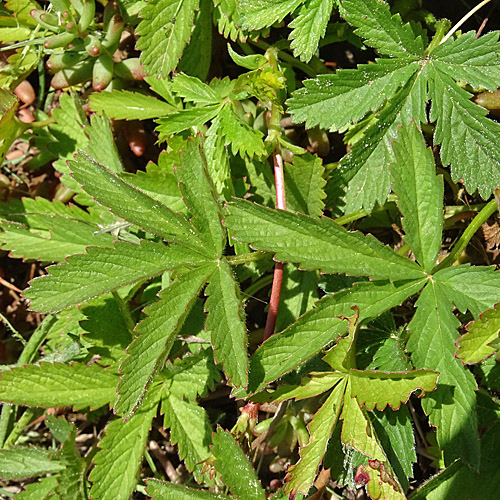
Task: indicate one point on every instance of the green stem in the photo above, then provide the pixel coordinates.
(403, 250)
(345, 219)
(235, 260)
(28, 415)
(475, 224)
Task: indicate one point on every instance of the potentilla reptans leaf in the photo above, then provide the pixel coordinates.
(192, 89)
(190, 430)
(300, 477)
(258, 14)
(382, 30)
(128, 202)
(420, 195)
(316, 244)
(164, 30)
(155, 336)
(102, 270)
(184, 119)
(20, 463)
(304, 185)
(377, 389)
(234, 467)
(452, 406)
(473, 288)
(321, 102)
(309, 27)
(120, 453)
(198, 193)
(127, 105)
(320, 327)
(474, 346)
(57, 384)
(226, 322)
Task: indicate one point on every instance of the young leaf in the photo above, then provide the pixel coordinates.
(21, 463)
(41, 489)
(192, 89)
(321, 326)
(234, 467)
(316, 244)
(198, 193)
(300, 476)
(420, 195)
(126, 105)
(451, 407)
(57, 384)
(155, 336)
(243, 139)
(130, 203)
(377, 389)
(474, 346)
(159, 490)
(118, 460)
(164, 30)
(309, 27)
(102, 270)
(226, 322)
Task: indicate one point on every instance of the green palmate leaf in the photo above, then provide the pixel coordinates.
(301, 475)
(322, 101)
(382, 31)
(377, 389)
(321, 326)
(482, 291)
(197, 190)
(54, 239)
(126, 105)
(451, 408)
(420, 195)
(234, 467)
(57, 384)
(119, 458)
(101, 144)
(102, 270)
(191, 376)
(304, 185)
(226, 322)
(243, 139)
(190, 430)
(155, 336)
(130, 203)
(185, 119)
(192, 89)
(474, 346)
(258, 14)
(159, 490)
(316, 244)
(20, 463)
(197, 57)
(395, 432)
(309, 27)
(164, 30)
(216, 155)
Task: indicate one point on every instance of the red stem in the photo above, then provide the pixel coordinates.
(278, 267)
